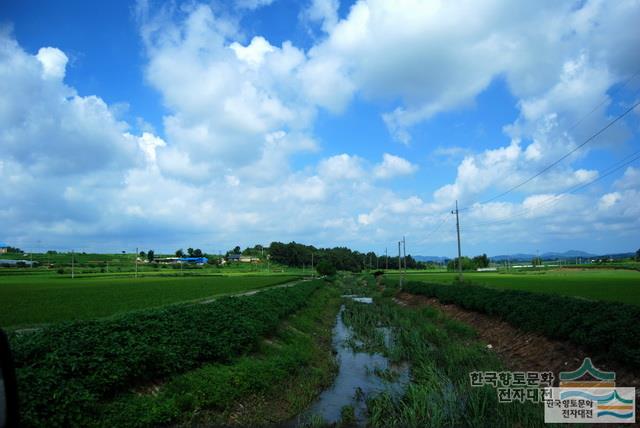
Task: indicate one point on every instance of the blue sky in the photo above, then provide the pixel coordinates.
(211, 124)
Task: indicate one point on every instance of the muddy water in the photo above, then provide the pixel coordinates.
(356, 380)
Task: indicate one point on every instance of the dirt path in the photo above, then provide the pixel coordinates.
(520, 350)
(256, 291)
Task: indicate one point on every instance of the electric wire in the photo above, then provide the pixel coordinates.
(556, 198)
(548, 167)
(563, 157)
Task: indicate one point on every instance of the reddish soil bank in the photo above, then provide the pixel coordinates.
(521, 350)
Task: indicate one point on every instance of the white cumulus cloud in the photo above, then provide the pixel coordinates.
(54, 62)
(393, 166)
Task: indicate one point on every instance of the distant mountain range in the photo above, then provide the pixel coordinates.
(436, 259)
(571, 254)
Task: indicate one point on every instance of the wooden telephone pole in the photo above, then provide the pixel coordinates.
(459, 251)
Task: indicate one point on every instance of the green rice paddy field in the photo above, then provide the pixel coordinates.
(612, 285)
(27, 300)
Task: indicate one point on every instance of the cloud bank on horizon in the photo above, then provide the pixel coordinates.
(239, 156)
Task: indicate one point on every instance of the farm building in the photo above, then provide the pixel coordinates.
(196, 260)
(171, 260)
(4, 248)
(242, 259)
(16, 263)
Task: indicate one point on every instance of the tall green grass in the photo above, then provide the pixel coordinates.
(605, 328)
(442, 353)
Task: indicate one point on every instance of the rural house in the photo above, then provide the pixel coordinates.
(242, 258)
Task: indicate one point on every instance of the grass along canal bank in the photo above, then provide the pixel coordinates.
(271, 385)
(419, 366)
(441, 353)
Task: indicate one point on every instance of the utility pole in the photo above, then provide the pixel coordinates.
(72, 265)
(404, 251)
(399, 263)
(136, 262)
(459, 251)
(386, 258)
(313, 275)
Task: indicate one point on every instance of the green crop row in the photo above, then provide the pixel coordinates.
(65, 370)
(608, 329)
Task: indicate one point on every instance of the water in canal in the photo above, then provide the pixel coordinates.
(356, 379)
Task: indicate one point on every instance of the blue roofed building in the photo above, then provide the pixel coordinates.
(196, 260)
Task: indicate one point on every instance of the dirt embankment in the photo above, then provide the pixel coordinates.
(521, 350)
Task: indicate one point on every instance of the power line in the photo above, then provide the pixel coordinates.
(591, 138)
(549, 201)
(604, 100)
(556, 198)
(548, 167)
(445, 219)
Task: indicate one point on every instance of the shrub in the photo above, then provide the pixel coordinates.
(607, 328)
(64, 370)
(325, 267)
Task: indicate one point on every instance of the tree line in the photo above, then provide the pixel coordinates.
(295, 254)
(481, 261)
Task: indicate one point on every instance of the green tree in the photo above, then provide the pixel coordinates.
(325, 267)
(255, 251)
(537, 261)
(197, 252)
(150, 255)
(638, 255)
(481, 261)
(190, 252)
(180, 253)
(142, 254)
(467, 264)
(236, 250)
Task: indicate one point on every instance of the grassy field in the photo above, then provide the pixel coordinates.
(35, 299)
(611, 285)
